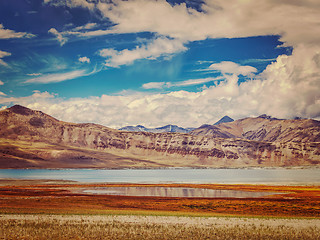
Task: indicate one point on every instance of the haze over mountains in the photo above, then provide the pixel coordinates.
(32, 139)
(167, 128)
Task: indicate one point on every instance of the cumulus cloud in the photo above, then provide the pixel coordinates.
(35, 98)
(159, 47)
(2, 55)
(7, 33)
(228, 67)
(228, 19)
(288, 87)
(1, 83)
(62, 40)
(283, 99)
(84, 60)
(218, 19)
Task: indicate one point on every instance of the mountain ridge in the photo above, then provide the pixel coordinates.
(265, 129)
(166, 128)
(33, 139)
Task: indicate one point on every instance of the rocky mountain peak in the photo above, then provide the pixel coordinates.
(225, 119)
(18, 109)
(265, 116)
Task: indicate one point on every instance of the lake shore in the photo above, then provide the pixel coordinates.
(269, 176)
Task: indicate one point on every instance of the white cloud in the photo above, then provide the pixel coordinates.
(62, 40)
(71, 3)
(57, 77)
(34, 74)
(2, 55)
(85, 27)
(159, 47)
(60, 77)
(282, 98)
(154, 85)
(219, 19)
(195, 81)
(190, 82)
(7, 33)
(290, 86)
(228, 67)
(36, 98)
(2, 93)
(287, 88)
(84, 60)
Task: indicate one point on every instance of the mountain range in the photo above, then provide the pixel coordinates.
(33, 139)
(167, 128)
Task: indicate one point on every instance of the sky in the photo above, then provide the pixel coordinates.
(157, 62)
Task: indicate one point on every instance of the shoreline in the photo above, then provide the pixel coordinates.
(172, 168)
(256, 176)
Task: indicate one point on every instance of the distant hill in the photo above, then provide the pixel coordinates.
(167, 128)
(225, 119)
(33, 139)
(264, 128)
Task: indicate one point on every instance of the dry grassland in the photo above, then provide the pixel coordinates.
(154, 227)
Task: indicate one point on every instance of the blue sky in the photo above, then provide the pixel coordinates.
(160, 62)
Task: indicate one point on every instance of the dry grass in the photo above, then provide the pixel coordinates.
(154, 227)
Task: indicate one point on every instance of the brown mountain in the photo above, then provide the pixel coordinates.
(265, 128)
(34, 139)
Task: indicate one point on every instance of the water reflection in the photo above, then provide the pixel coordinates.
(176, 192)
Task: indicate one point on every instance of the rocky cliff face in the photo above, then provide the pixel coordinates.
(91, 145)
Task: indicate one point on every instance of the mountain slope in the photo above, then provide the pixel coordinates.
(266, 129)
(31, 138)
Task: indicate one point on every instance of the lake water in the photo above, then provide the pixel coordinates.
(229, 176)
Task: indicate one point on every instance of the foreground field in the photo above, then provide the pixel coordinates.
(154, 227)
